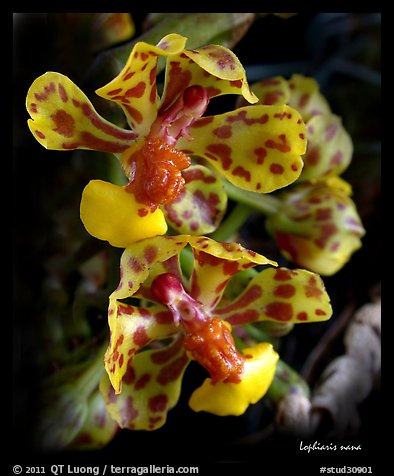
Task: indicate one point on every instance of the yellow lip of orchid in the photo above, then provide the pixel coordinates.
(111, 213)
(224, 399)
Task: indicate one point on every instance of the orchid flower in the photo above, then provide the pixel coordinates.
(256, 148)
(191, 320)
(317, 225)
(315, 222)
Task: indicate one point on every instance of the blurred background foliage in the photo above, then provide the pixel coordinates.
(62, 277)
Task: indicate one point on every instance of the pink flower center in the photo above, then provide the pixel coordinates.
(175, 121)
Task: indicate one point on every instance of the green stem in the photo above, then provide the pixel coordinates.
(261, 202)
(257, 334)
(186, 260)
(230, 226)
(285, 379)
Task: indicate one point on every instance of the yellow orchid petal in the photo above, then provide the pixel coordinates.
(273, 91)
(201, 205)
(215, 264)
(141, 258)
(282, 295)
(306, 97)
(225, 399)
(257, 148)
(134, 89)
(110, 213)
(151, 387)
(330, 147)
(132, 328)
(213, 67)
(335, 182)
(63, 118)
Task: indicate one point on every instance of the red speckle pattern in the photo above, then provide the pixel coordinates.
(129, 376)
(276, 169)
(312, 289)
(135, 265)
(242, 172)
(158, 403)
(140, 337)
(279, 311)
(162, 356)
(164, 317)
(63, 93)
(330, 131)
(178, 80)
(337, 158)
(312, 156)
(261, 154)
(150, 254)
(223, 132)
(326, 232)
(302, 316)
(192, 174)
(285, 291)
(172, 371)
(282, 274)
(64, 122)
(244, 317)
(282, 146)
(250, 295)
(320, 312)
(142, 381)
(128, 413)
(220, 152)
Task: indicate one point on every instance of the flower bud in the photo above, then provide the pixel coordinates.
(317, 226)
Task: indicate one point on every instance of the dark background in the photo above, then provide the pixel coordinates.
(343, 52)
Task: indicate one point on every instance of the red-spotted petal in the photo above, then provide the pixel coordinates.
(306, 97)
(273, 91)
(134, 89)
(141, 257)
(214, 67)
(151, 387)
(257, 148)
(318, 226)
(329, 150)
(215, 264)
(201, 205)
(283, 295)
(63, 118)
(132, 328)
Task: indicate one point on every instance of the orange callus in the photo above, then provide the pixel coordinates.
(155, 172)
